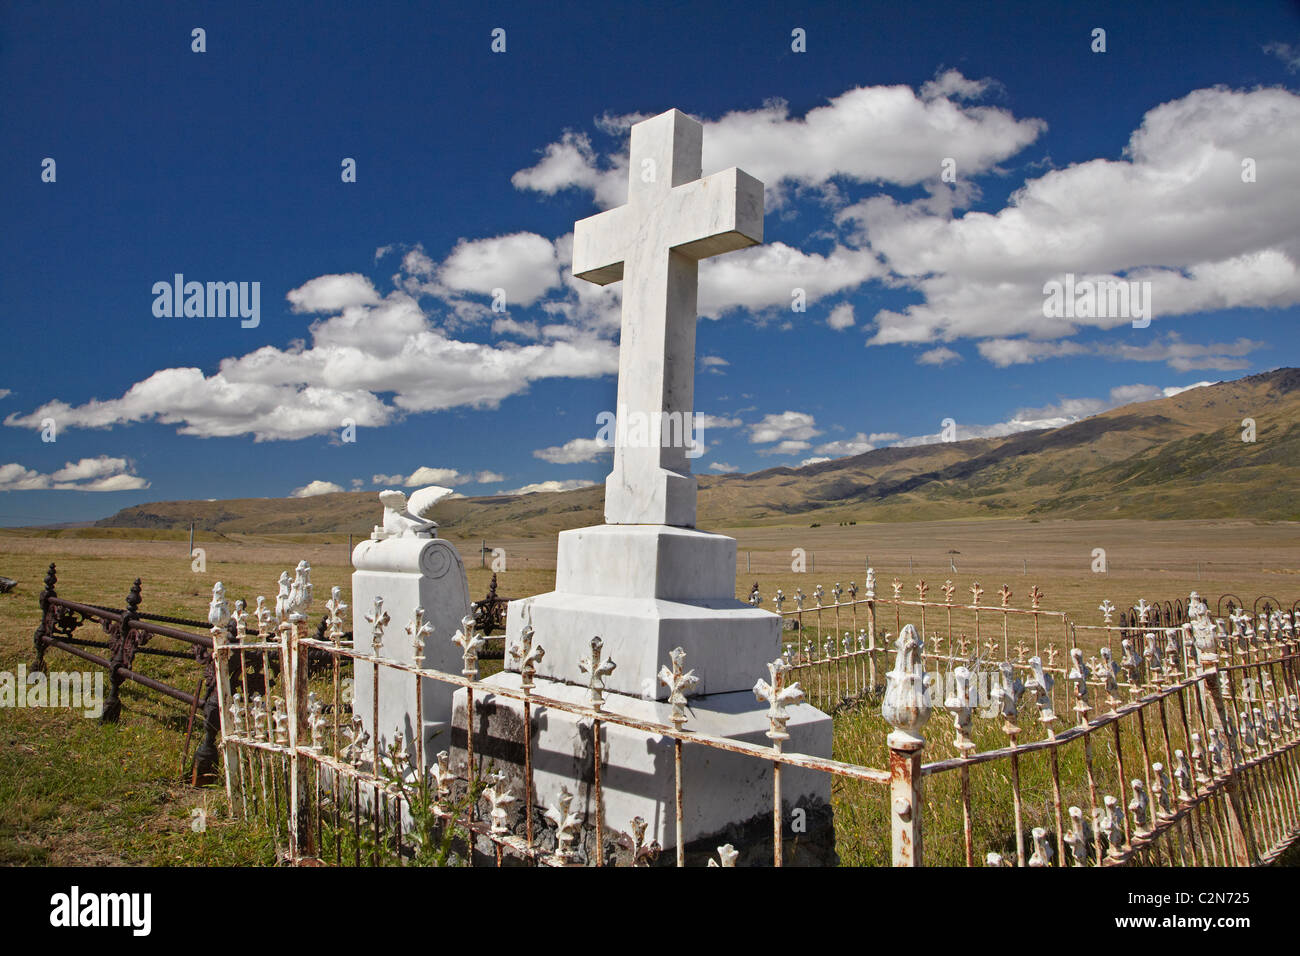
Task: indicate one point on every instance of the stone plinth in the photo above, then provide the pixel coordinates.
(642, 590)
(722, 789)
(408, 571)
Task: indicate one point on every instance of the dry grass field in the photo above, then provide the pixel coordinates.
(74, 792)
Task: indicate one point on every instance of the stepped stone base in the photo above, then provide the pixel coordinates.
(637, 768)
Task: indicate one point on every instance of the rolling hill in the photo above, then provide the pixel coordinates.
(1178, 457)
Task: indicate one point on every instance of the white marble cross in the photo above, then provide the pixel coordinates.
(672, 219)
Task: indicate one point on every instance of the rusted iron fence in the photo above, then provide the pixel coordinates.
(837, 642)
(332, 794)
(1071, 744)
(1196, 718)
(129, 635)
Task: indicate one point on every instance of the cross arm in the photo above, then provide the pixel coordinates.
(598, 246)
(717, 214)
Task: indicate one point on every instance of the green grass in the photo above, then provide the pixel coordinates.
(74, 792)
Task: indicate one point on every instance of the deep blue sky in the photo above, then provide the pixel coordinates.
(224, 165)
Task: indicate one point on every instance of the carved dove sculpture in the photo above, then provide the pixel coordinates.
(413, 516)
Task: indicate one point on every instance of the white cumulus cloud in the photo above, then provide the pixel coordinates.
(574, 451)
(426, 475)
(88, 474)
(543, 486)
(313, 488)
(1175, 211)
(783, 426)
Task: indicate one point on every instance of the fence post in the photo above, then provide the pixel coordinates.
(42, 630)
(871, 626)
(907, 708)
(905, 804)
(221, 683)
(1240, 837)
(302, 839)
(122, 645)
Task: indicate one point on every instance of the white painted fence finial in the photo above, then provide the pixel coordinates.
(1109, 676)
(1078, 676)
(1077, 838)
(566, 823)
(282, 598)
(962, 707)
(443, 777)
(906, 705)
(1112, 825)
(1155, 662)
(727, 854)
(218, 609)
(1007, 693)
(240, 617)
(679, 684)
(420, 630)
(1160, 788)
(316, 720)
(1041, 684)
(300, 592)
(1215, 749)
(1140, 806)
(643, 854)
(1043, 853)
(526, 654)
(257, 715)
(280, 721)
(397, 758)
(469, 644)
(356, 750)
(596, 669)
(334, 609)
(239, 713)
(378, 620)
(1107, 611)
(1143, 611)
(499, 796)
(1183, 776)
(1132, 662)
(263, 615)
(778, 696)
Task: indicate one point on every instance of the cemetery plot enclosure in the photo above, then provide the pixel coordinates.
(1109, 745)
(129, 633)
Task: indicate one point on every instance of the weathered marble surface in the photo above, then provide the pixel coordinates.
(408, 570)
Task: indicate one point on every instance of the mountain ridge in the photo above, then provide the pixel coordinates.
(1177, 457)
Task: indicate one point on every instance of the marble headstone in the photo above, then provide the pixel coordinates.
(407, 566)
